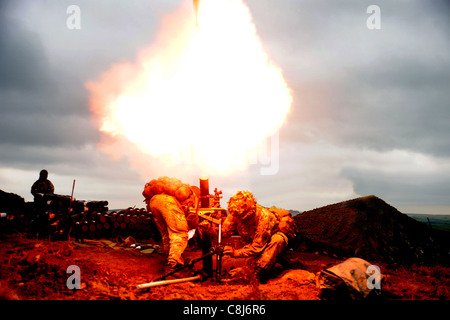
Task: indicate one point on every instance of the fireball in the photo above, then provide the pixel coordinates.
(205, 90)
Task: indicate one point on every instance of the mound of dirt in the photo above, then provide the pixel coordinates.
(370, 228)
(10, 201)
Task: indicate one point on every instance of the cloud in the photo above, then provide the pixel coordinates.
(45, 119)
(407, 178)
(382, 89)
(23, 64)
(43, 64)
(367, 96)
(312, 175)
(40, 105)
(398, 98)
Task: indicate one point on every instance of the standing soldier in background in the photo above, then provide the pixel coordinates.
(265, 232)
(39, 189)
(42, 185)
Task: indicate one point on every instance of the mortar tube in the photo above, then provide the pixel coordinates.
(204, 192)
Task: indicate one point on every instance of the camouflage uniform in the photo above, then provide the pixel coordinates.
(42, 186)
(172, 224)
(261, 233)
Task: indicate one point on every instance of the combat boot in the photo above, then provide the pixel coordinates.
(262, 275)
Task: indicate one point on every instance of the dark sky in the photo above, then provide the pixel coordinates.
(370, 113)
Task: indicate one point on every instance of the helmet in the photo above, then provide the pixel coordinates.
(242, 205)
(43, 174)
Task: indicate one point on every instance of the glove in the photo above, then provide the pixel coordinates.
(205, 226)
(228, 250)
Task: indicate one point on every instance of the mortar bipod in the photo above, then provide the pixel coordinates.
(199, 276)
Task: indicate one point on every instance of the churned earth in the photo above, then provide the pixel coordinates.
(36, 269)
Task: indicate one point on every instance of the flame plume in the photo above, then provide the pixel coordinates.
(204, 90)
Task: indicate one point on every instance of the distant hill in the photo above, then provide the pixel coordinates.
(368, 227)
(436, 221)
(294, 212)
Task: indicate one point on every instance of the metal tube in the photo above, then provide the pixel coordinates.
(204, 192)
(71, 197)
(166, 282)
(219, 254)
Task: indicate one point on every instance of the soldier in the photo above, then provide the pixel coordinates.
(171, 211)
(266, 233)
(42, 185)
(39, 189)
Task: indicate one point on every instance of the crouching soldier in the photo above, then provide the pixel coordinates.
(265, 232)
(170, 202)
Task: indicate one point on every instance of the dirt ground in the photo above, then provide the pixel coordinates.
(36, 269)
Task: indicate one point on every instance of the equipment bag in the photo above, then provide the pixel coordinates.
(346, 281)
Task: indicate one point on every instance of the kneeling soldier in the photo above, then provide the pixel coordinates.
(265, 233)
